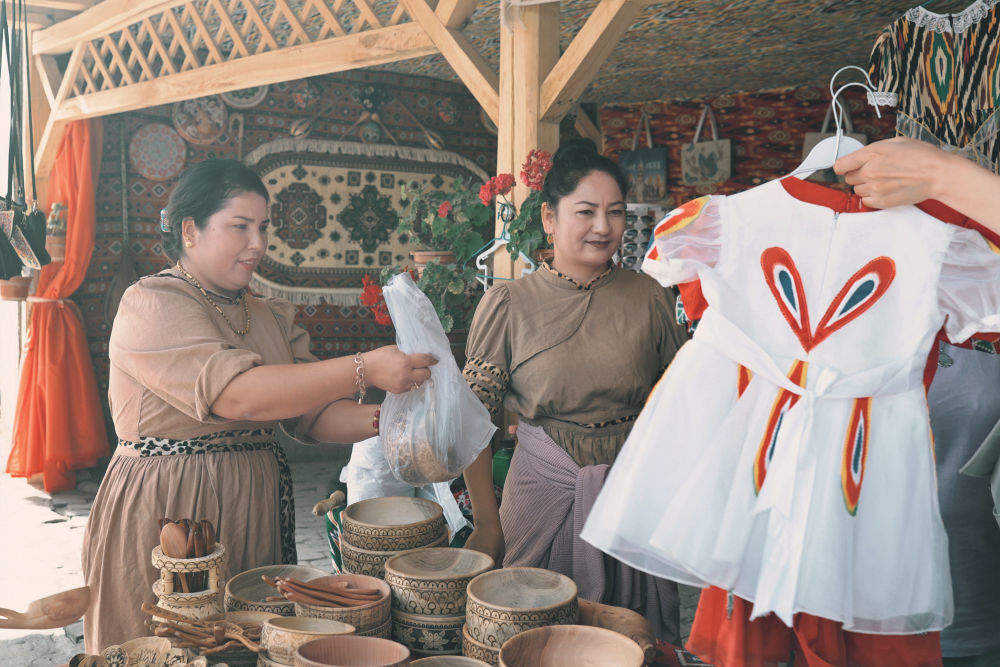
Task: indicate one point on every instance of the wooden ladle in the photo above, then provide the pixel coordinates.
(54, 611)
(174, 544)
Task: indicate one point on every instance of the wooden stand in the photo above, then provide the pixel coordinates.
(193, 605)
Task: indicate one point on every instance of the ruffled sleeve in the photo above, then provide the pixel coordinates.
(167, 341)
(686, 241)
(487, 365)
(969, 286)
(298, 341)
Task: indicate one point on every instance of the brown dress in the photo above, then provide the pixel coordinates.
(171, 357)
(575, 363)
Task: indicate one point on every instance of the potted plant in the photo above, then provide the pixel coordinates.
(524, 225)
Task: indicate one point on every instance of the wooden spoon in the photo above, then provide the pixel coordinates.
(173, 542)
(53, 611)
(225, 630)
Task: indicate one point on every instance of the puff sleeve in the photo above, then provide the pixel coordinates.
(167, 341)
(686, 241)
(487, 365)
(969, 286)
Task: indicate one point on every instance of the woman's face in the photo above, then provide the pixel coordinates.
(588, 223)
(226, 252)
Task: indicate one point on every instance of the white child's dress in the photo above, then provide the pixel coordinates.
(786, 454)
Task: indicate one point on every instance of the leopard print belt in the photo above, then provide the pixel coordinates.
(249, 440)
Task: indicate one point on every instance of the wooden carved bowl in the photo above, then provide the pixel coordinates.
(351, 651)
(364, 618)
(371, 563)
(393, 523)
(505, 602)
(382, 632)
(247, 592)
(433, 580)
(449, 661)
(570, 646)
(428, 635)
(281, 636)
(473, 649)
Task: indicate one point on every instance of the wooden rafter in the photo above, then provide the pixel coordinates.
(470, 66)
(66, 5)
(454, 13)
(50, 77)
(585, 55)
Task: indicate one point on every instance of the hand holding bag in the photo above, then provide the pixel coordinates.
(706, 162)
(646, 167)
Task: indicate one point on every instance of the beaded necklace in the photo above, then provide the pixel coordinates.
(246, 308)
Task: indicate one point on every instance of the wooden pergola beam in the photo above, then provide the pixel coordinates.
(453, 13)
(586, 53)
(48, 145)
(67, 5)
(100, 19)
(470, 66)
(365, 49)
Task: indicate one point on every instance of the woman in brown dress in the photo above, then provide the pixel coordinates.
(573, 349)
(201, 375)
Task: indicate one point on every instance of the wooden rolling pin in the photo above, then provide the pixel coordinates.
(623, 621)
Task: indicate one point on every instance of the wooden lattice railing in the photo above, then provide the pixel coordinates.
(199, 33)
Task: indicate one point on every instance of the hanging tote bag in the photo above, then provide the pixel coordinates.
(709, 161)
(646, 167)
(813, 138)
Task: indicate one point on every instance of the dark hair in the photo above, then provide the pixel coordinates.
(571, 163)
(203, 190)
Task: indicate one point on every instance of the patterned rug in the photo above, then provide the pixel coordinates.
(334, 212)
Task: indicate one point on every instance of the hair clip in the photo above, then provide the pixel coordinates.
(164, 221)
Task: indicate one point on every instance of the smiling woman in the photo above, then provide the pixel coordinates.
(202, 372)
(573, 349)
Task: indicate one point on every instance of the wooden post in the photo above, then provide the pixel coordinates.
(529, 48)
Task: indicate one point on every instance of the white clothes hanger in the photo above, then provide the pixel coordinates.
(829, 150)
(485, 277)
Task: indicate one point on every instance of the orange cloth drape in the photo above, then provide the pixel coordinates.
(59, 425)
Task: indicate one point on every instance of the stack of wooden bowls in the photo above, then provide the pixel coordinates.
(428, 596)
(369, 620)
(570, 646)
(248, 592)
(377, 529)
(502, 603)
(281, 637)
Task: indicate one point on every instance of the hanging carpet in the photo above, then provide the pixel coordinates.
(335, 206)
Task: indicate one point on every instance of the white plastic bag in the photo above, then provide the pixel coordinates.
(367, 475)
(433, 433)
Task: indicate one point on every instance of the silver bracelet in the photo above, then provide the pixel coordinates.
(359, 377)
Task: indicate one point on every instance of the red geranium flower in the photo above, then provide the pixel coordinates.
(537, 164)
(502, 183)
(486, 193)
(371, 296)
(444, 209)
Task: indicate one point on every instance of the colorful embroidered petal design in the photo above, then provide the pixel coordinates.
(783, 278)
(675, 221)
(743, 381)
(858, 295)
(852, 471)
(782, 404)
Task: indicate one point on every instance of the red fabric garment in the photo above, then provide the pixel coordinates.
(726, 637)
(59, 425)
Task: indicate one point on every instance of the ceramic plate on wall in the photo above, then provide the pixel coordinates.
(202, 120)
(246, 98)
(157, 152)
